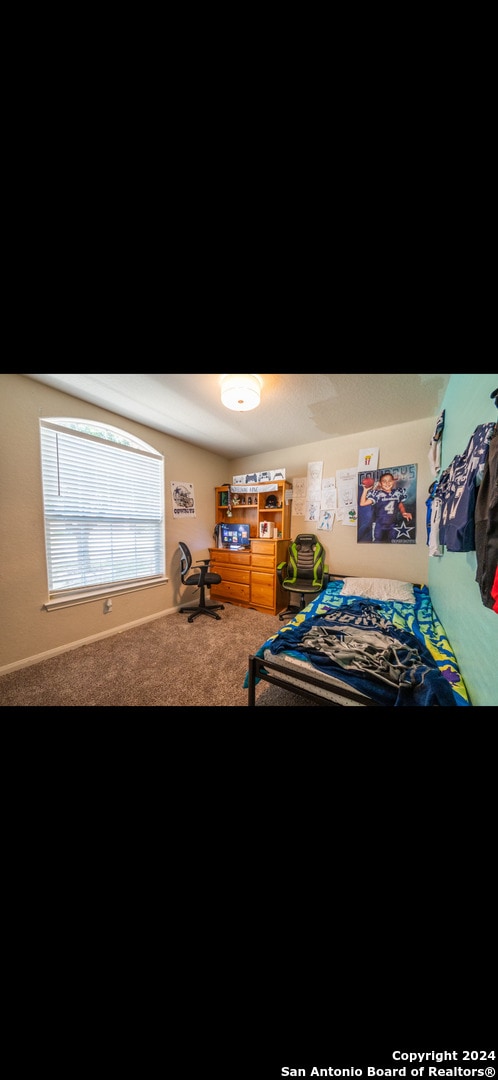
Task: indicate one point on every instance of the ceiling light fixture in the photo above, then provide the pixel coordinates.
(241, 392)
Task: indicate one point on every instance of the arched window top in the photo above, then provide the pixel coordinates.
(98, 431)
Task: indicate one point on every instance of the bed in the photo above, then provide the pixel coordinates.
(365, 643)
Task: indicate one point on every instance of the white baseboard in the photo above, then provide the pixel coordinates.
(29, 660)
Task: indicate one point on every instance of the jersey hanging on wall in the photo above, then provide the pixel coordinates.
(458, 487)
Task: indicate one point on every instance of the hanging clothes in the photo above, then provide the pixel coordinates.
(428, 511)
(494, 592)
(430, 516)
(486, 526)
(436, 511)
(459, 491)
(435, 445)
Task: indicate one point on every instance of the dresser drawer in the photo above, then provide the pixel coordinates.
(263, 547)
(262, 589)
(231, 590)
(263, 562)
(232, 573)
(230, 558)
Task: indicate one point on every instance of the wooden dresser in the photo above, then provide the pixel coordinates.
(250, 577)
(235, 569)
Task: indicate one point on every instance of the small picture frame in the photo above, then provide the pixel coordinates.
(264, 530)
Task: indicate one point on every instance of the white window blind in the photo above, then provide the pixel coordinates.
(103, 506)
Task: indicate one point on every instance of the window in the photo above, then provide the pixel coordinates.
(103, 496)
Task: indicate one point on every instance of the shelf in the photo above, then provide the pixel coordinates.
(255, 512)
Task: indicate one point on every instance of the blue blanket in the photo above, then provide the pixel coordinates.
(396, 653)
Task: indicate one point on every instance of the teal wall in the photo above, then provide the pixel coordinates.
(471, 628)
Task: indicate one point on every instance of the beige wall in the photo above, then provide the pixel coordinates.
(402, 444)
(28, 632)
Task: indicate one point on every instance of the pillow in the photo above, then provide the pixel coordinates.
(375, 588)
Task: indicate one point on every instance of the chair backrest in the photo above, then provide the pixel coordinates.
(185, 560)
(306, 560)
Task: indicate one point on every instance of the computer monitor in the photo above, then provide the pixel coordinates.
(235, 536)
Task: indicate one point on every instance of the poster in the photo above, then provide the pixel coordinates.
(299, 495)
(347, 485)
(182, 495)
(387, 505)
(313, 490)
(328, 504)
(368, 458)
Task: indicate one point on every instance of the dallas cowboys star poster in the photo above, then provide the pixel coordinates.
(387, 505)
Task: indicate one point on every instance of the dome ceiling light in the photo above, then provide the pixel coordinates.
(241, 392)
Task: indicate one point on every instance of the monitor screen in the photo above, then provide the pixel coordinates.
(235, 535)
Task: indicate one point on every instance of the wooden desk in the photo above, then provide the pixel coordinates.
(250, 577)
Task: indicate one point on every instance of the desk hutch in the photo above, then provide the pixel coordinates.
(249, 576)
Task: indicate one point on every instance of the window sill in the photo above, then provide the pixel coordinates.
(75, 598)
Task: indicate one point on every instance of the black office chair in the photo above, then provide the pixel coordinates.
(304, 572)
(202, 579)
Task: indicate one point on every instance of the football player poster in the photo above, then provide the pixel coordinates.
(387, 505)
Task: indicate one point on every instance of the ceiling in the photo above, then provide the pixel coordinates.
(294, 409)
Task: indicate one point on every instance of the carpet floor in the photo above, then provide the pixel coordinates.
(168, 662)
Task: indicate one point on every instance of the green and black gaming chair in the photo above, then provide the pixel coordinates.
(304, 572)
